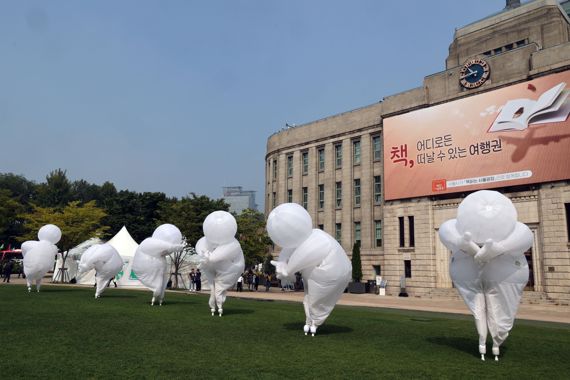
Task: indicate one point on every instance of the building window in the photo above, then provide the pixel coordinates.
(408, 268)
(376, 148)
(274, 170)
(401, 230)
(377, 189)
(289, 196)
(321, 154)
(356, 152)
(338, 156)
(378, 233)
(377, 270)
(412, 232)
(305, 159)
(321, 196)
(357, 232)
(338, 232)
(305, 197)
(321, 227)
(338, 192)
(357, 193)
(290, 166)
(567, 207)
(274, 199)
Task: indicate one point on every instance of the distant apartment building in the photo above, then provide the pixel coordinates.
(239, 199)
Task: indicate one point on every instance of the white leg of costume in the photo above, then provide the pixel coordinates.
(504, 281)
(220, 297)
(212, 300)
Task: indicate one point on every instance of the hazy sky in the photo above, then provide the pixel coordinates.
(181, 96)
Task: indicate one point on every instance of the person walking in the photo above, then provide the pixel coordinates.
(198, 280)
(256, 281)
(192, 276)
(267, 282)
(240, 283)
(8, 271)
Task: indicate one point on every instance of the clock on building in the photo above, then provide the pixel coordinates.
(474, 73)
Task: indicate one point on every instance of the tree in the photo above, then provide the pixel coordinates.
(77, 224)
(56, 192)
(268, 268)
(252, 236)
(21, 189)
(356, 264)
(10, 224)
(188, 215)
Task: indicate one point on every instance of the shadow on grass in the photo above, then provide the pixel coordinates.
(323, 330)
(467, 345)
(237, 311)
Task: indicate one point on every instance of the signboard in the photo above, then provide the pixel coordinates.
(511, 136)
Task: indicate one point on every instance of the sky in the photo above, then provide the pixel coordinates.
(180, 96)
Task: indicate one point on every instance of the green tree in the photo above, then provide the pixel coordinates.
(252, 236)
(10, 223)
(21, 189)
(77, 223)
(268, 268)
(56, 191)
(188, 215)
(356, 264)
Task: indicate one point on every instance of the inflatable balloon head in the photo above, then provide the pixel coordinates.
(50, 233)
(486, 215)
(169, 233)
(289, 225)
(220, 227)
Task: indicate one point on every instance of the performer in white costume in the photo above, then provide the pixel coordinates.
(321, 260)
(221, 255)
(488, 266)
(39, 256)
(105, 260)
(149, 263)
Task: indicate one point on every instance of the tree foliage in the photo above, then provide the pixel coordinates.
(188, 214)
(10, 223)
(356, 263)
(252, 236)
(77, 223)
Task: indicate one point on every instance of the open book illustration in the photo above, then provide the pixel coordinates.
(553, 106)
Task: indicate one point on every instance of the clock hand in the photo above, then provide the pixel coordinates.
(467, 75)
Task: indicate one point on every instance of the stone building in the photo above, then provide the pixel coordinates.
(343, 170)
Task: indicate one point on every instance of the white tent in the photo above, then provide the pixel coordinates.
(126, 246)
(72, 262)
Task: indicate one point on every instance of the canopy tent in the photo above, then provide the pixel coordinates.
(126, 246)
(72, 262)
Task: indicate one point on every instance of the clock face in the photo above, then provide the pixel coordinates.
(474, 73)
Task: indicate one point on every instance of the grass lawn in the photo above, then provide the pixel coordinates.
(63, 332)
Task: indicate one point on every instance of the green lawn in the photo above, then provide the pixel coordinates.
(63, 332)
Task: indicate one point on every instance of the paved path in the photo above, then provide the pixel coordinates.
(547, 313)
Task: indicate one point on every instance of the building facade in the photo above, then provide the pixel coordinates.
(239, 199)
(340, 167)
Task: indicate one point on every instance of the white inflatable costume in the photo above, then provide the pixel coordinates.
(39, 256)
(149, 263)
(321, 260)
(488, 266)
(221, 256)
(105, 260)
